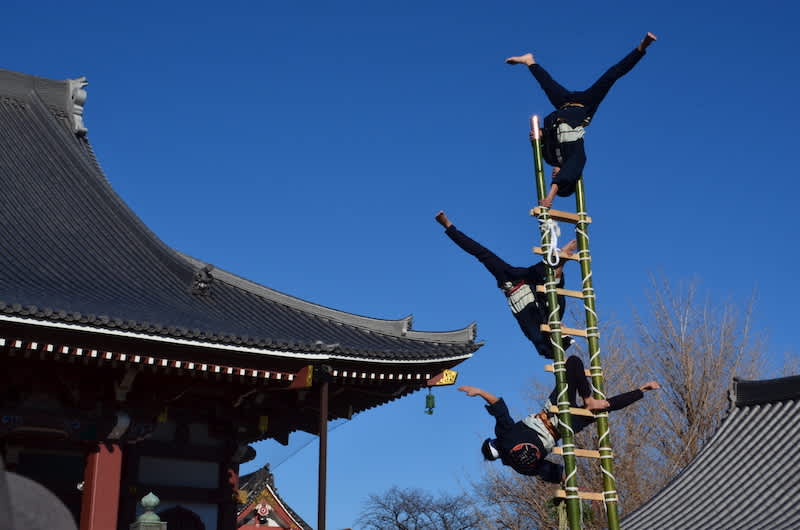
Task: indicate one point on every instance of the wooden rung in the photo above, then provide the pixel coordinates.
(573, 257)
(550, 368)
(564, 292)
(585, 495)
(558, 215)
(565, 331)
(588, 453)
(574, 411)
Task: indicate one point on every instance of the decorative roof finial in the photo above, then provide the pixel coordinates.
(78, 96)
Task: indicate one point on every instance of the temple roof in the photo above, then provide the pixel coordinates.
(261, 484)
(746, 475)
(74, 256)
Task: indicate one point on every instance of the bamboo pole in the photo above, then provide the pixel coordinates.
(593, 337)
(573, 502)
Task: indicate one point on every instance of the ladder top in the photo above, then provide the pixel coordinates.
(558, 215)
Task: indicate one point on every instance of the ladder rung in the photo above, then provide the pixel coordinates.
(585, 495)
(588, 453)
(558, 215)
(565, 292)
(565, 331)
(550, 368)
(574, 411)
(573, 257)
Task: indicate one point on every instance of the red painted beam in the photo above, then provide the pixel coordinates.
(101, 478)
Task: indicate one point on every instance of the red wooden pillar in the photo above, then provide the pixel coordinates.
(101, 478)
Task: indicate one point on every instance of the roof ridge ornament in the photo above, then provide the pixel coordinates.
(201, 283)
(77, 96)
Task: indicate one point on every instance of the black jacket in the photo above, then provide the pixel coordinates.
(514, 440)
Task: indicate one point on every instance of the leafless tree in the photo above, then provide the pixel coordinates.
(693, 347)
(415, 509)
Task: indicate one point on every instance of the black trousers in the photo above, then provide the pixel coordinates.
(592, 96)
(532, 315)
(578, 385)
(574, 153)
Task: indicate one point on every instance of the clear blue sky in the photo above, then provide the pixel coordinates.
(307, 146)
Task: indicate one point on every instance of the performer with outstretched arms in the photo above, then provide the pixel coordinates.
(574, 111)
(523, 445)
(518, 284)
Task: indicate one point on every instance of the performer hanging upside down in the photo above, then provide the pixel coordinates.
(574, 111)
(523, 445)
(519, 286)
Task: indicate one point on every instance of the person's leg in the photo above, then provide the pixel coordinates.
(623, 400)
(577, 384)
(496, 266)
(594, 95)
(577, 381)
(571, 170)
(557, 94)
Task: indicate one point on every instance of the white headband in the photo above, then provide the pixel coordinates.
(493, 450)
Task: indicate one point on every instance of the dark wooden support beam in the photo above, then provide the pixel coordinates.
(323, 445)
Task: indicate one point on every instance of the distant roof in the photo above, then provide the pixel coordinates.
(261, 484)
(74, 256)
(746, 476)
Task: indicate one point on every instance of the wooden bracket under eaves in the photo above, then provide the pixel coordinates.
(445, 377)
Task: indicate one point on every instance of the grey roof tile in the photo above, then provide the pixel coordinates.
(72, 252)
(746, 475)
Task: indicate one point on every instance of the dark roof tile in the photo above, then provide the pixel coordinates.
(738, 480)
(71, 251)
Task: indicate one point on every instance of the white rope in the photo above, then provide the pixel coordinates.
(550, 232)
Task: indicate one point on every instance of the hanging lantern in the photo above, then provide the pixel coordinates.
(430, 402)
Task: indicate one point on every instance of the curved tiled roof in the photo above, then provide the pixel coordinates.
(255, 484)
(746, 476)
(72, 254)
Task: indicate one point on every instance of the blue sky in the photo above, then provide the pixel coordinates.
(308, 145)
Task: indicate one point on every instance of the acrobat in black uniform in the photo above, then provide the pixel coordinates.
(574, 111)
(523, 445)
(519, 286)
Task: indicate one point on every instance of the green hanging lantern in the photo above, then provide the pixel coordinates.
(430, 402)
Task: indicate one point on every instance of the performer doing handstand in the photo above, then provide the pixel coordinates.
(574, 111)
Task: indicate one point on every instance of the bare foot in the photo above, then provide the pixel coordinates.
(570, 248)
(522, 59)
(650, 385)
(551, 195)
(595, 404)
(442, 219)
(648, 39)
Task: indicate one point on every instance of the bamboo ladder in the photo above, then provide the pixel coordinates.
(570, 495)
